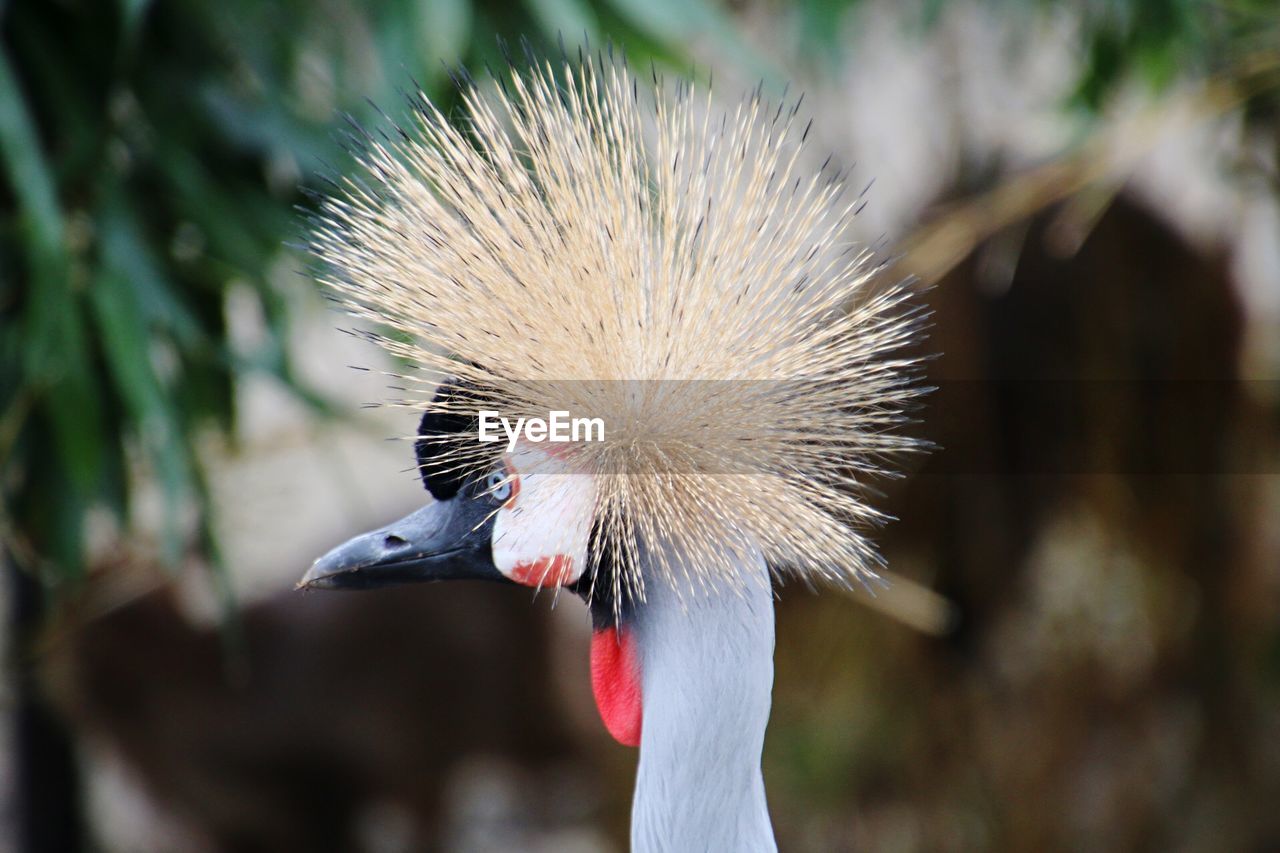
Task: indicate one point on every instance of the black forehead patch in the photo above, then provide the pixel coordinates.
(440, 481)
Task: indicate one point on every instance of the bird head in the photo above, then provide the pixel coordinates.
(524, 517)
(581, 242)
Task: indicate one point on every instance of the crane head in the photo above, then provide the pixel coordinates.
(667, 264)
(525, 517)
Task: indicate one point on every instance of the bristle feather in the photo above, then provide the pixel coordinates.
(559, 251)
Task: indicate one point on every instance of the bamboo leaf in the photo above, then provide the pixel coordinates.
(677, 22)
(444, 27)
(25, 167)
(126, 252)
(133, 11)
(126, 340)
(124, 321)
(56, 356)
(571, 19)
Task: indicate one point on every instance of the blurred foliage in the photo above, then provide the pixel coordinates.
(1160, 41)
(150, 157)
(1154, 41)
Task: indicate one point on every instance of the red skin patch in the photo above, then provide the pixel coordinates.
(615, 681)
(544, 571)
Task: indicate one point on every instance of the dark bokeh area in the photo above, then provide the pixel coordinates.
(1079, 647)
(1110, 679)
(330, 705)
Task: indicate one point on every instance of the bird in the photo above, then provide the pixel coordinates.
(583, 239)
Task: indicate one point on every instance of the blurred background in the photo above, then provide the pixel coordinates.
(1081, 647)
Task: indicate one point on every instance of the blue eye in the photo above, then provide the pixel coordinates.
(498, 485)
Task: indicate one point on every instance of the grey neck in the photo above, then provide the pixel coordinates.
(706, 663)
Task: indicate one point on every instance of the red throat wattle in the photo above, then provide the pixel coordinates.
(615, 680)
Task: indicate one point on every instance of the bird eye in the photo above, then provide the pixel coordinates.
(498, 485)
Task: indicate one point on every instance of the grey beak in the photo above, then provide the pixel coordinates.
(445, 540)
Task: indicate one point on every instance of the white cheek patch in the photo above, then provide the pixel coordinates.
(540, 535)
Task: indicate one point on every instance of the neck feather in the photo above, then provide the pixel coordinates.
(706, 661)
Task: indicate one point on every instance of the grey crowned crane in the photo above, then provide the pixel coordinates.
(584, 243)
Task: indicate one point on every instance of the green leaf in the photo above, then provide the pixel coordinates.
(126, 344)
(676, 22)
(125, 251)
(570, 19)
(61, 531)
(70, 395)
(122, 325)
(822, 24)
(218, 210)
(26, 170)
(56, 353)
(133, 12)
(122, 321)
(669, 20)
(444, 27)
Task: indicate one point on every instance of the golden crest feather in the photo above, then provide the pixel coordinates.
(583, 241)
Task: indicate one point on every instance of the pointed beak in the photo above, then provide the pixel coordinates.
(445, 540)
